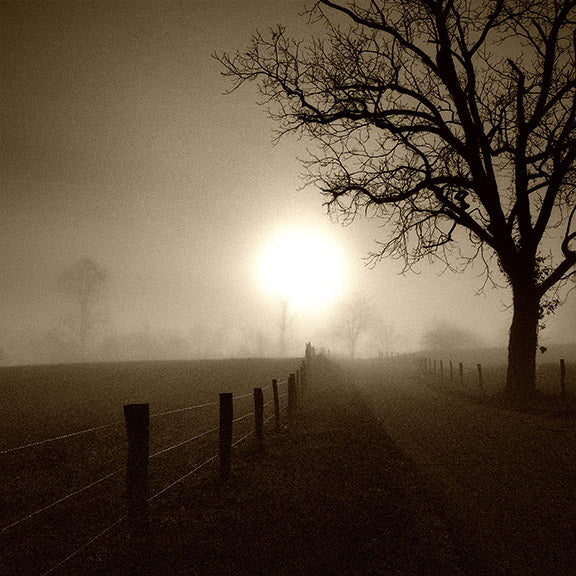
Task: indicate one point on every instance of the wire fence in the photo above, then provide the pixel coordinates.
(242, 436)
(489, 378)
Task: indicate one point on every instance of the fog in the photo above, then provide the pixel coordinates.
(118, 144)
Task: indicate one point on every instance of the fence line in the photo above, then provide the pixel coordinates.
(151, 498)
(115, 472)
(430, 366)
(100, 480)
(79, 432)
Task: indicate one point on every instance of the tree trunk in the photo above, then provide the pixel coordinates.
(523, 342)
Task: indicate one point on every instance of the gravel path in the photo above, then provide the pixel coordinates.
(507, 480)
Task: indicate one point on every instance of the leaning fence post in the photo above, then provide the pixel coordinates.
(563, 379)
(259, 417)
(137, 418)
(276, 405)
(292, 396)
(225, 440)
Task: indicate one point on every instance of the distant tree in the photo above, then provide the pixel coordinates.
(449, 336)
(83, 282)
(285, 325)
(357, 317)
(452, 120)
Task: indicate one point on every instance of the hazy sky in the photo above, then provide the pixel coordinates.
(117, 142)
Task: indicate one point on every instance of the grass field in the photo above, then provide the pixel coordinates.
(43, 402)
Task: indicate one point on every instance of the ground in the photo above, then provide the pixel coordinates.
(331, 495)
(381, 472)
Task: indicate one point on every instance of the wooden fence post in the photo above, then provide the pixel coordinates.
(137, 418)
(292, 396)
(461, 369)
(225, 440)
(441, 372)
(276, 405)
(563, 380)
(259, 418)
(451, 372)
(480, 379)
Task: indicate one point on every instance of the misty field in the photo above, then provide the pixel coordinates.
(44, 402)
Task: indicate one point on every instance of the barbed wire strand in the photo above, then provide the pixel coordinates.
(269, 418)
(91, 541)
(243, 438)
(182, 443)
(243, 396)
(187, 408)
(76, 492)
(242, 417)
(182, 478)
(40, 442)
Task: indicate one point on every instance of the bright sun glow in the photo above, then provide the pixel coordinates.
(302, 267)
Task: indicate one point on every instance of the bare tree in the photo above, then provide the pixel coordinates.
(356, 319)
(83, 282)
(452, 120)
(285, 325)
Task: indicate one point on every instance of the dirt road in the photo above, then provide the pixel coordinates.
(507, 481)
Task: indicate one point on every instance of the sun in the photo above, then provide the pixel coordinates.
(303, 267)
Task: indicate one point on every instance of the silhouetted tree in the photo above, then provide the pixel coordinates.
(356, 319)
(83, 282)
(454, 121)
